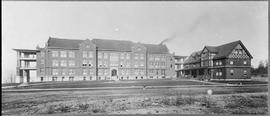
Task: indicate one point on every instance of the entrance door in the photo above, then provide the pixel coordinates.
(114, 74)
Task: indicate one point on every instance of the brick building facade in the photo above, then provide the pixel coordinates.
(100, 59)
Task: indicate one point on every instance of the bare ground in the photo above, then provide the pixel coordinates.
(167, 101)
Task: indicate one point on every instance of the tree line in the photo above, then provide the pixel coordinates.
(261, 70)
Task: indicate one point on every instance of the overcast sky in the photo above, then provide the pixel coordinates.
(190, 25)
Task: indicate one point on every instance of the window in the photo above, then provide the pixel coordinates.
(54, 78)
(220, 62)
(90, 53)
(54, 53)
(55, 63)
(42, 54)
(90, 63)
(106, 72)
(142, 56)
(84, 71)
(71, 54)
(240, 51)
(220, 73)
(135, 56)
(91, 72)
(136, 64)
(55, 72)
(245, 72)
(245, 62)
(100, 72)
(156, 58)
(99, 55)
(128, 56)
(217, 63)
(100, 63)
(231, 62)
(151, 57)
(71, 78)
(122, 56)
(42, 61)
(71, 71)
(231, 71)
(105, 63)
(63, 63)
(41, 79)
(71, 63)
(84, 63)
(84, 54)
(127, 64)
(105, 56)
(63, 54)
(121, 64)
(216, 73)
(142, 64)
(63, 71)
(42, 71)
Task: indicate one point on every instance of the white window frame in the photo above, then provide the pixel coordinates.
(54, 71)
(84, 54)
(71, 63)
(63, 54)
(55, 53)
(55, 63)
(71, 54)
(63, 63)
(105, 56)
(84, 71)
(90, 54)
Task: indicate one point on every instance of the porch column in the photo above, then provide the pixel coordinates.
(24, 76)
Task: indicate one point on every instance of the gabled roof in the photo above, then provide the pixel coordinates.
(193, 58)
(211, 48)
(225, 49)
(63, 43)
(115, 45)
(26, 50)
(177, 57)
(105, 44)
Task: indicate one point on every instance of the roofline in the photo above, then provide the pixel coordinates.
(26, 50)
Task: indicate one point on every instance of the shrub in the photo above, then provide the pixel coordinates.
(97, 109)
(83, 107)
(50, 110)
(249, 101)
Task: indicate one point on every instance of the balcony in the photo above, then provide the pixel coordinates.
(28, 58)
(28, 67)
